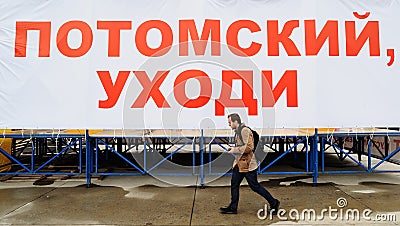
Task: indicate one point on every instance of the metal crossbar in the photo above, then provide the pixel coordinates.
(281, 156)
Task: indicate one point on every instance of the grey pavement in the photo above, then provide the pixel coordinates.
(144, 200)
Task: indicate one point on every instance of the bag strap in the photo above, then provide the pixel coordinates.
(239, 133)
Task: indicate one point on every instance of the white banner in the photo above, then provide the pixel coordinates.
(187, 64)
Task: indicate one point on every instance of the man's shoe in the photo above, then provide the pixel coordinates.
(274, 209)
(224, 208)
(227, 210)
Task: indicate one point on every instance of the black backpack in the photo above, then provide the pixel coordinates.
(256, 136)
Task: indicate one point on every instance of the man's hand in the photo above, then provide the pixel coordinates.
(232, 150)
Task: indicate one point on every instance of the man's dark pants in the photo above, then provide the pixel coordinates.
(251, 178)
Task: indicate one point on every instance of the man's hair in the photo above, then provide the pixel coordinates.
(235, 117)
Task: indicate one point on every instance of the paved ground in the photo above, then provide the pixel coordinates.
(144, 200)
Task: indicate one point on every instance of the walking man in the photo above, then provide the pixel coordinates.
(245, 166)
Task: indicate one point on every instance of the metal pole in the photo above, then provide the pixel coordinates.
(96, 155)
(88, 167)
(369, 154)
(307, 162)
(80, 155)
(144, 155)
(194, 156)
(322, 154)
(315, 149)
(210, 158)
(202, 159)
(32, 156)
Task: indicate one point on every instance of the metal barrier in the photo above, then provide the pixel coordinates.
(34, 151)
(43, 148)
